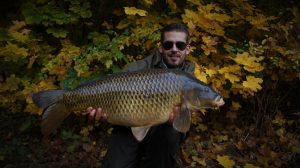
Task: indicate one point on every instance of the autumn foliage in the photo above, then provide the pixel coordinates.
(248, 51)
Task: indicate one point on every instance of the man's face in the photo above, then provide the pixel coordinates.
(174, 48)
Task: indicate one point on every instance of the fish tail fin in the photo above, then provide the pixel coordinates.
(55, 110)
(46, 98)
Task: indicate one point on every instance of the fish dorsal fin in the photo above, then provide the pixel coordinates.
(140, 132)
(182, 122)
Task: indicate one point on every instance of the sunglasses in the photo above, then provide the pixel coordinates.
(167, 45)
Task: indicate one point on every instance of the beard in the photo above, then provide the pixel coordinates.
(169, 64)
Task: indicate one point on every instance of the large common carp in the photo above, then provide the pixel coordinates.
(135, 99)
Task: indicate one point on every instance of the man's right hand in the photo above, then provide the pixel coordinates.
(96, 114)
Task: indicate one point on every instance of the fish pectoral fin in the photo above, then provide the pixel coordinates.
(182, 122)
(140, 132)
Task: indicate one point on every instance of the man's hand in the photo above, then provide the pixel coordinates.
(96, 114)
(174, 114)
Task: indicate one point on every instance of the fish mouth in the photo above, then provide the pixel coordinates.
(219, 101)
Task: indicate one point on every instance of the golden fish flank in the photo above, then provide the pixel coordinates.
(135, 99)
(130, 100)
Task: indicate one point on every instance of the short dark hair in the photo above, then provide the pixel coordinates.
(175, 27)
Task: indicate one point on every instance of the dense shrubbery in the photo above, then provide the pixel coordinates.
(49, 44)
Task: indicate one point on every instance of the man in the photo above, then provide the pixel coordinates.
(158, 148)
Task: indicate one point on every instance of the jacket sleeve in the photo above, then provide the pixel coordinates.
(135, 66)
(138, 65)
(190, 67)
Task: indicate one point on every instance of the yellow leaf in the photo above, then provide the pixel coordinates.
(210, 72)
(109, 131)
(108, 63)
(201, 127)
(250, 63)
(279, 120)
(218, 147)
(214, 12)
(259, 21)
(231, 77)
(195, 2)
(18, 32)
(172, 4)
(253, 83)
(280, 132)
(208, 49)
(107, 25)
(85, 131)
(149, 2)
(217, 83)
(33, 109)
(225, 161)
(235, 106)
(123, 24)
(203, 111)
(47, 84)
(229, 40)
(208, 40)
(248, 165)
(17, 25)
(14, 51)
(21, 35)
(134, 11)
(227, 47)
(234, 69)
(103, 153)
(200, 75)
(254, 68)
(222, 138)
(201, 161)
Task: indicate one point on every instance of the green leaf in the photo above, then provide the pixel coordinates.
(70, 82)
(32, 14)
(115, 68)
(58, 33)
(66, 134)
(81, 9)
(27, 124)
(4, 35)
(73, 146)
(99, 39)
(13, 82)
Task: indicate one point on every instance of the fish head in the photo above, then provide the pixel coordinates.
(199, 95)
